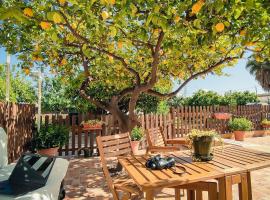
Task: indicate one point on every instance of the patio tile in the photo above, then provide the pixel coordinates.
(85, 181)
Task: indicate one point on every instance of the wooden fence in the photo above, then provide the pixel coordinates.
(177, 123)
(18, 121)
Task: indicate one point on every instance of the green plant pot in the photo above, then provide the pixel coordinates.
(202, 148)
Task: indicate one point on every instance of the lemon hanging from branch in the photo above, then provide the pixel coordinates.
(105, 15)
(197, 7)
(45, 25)
(28, 12)
(57, 18)
(219, 27)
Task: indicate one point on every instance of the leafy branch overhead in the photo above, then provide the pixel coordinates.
(134, 47)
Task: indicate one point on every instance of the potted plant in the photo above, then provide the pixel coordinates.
(92, 124)
(50, 137)
(239, 126)
(136, 136)
(265, 123)
(201, 142)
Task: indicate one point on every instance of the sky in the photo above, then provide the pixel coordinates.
(239, 79)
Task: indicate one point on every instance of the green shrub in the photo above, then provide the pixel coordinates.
(51, 136)
(136, 133)
(265, 122)
(240, 124)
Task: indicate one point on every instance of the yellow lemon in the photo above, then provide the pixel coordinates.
(57, 18)
(258, 49)
(197, 7)
(219, 27)
(45, 25)
(176, 19)
(223, 50)
(120, 45)
(105, 15)
(249, 44)
(28, 12)
(62, 2)
(63, 61)
(258, 58)
(110, 58)
(26, 71)
(243, 32)
(112, 2)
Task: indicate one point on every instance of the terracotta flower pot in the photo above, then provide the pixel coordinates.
(266, 126)
(49, 152)
(239, 135)
(222, 116)
(135, 146)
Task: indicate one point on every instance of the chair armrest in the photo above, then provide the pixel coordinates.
(162, 149)
(176, 141)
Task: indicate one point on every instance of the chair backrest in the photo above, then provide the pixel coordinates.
(155, 137)
(112, 146)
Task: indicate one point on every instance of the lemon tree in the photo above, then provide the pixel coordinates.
(129, 48)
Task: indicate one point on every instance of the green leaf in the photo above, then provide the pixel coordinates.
(197, 23)
(237, 12)
(113, 31)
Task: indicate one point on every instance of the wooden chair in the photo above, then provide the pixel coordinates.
(113, 146)
(158, 143)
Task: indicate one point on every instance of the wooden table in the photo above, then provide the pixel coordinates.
(231, 165)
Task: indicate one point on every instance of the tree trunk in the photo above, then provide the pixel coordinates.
(126, 122)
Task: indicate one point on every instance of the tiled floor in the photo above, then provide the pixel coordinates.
(84, 179)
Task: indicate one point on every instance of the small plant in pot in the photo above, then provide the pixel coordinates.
(136, 136)
(50, 138)
(239, 126)
(201, 143)
(265, 123)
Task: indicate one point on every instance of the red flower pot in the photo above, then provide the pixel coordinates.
(239, 135)
(135, 146)
(222, 116)
(48, 152)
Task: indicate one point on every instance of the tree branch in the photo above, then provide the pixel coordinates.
(85, 84)
(209, 69)
(85, 40)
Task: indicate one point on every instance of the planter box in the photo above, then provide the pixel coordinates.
(87, 127)
(222, 116)
(256, 133)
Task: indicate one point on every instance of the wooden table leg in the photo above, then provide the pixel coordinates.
(243, 187)
(225, 188)
(177, 193)
(190, 195)
(249, 186)
(149, 195)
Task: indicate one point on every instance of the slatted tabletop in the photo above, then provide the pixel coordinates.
(230, 159)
